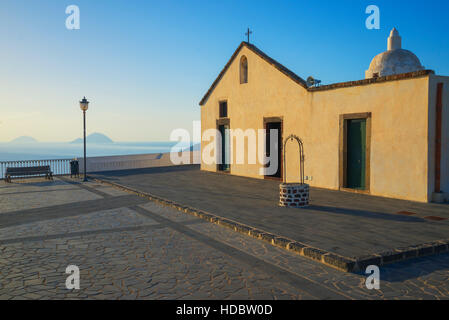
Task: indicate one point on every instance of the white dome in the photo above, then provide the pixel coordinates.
(393, 61)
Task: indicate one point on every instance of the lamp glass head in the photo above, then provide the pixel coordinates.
(84, 104)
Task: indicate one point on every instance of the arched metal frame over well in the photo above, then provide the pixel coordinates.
(301, 157)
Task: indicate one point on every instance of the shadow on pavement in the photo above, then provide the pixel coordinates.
(412, 269)
(365, 214)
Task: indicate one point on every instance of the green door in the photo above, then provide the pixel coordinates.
(356, 156)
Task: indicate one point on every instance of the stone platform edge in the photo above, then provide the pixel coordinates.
(342, 263)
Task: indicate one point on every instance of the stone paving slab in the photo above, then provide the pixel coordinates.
(195, 262)
(136, 265)
(97, 188)
(107, 219)
(171, 255)
(38, 193)
(114, 192)
(142, 264)
(356, 226)
(174, 215)
(15, 218)
(37, 243)
(412, 279)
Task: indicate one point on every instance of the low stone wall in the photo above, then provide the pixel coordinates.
(137, 161)
(293, 195)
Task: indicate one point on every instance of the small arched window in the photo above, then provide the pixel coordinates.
(243, 70)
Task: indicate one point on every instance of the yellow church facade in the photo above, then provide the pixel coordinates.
(386, 135)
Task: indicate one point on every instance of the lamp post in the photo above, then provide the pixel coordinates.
(84, 105)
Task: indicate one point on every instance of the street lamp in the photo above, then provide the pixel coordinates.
(84, 105)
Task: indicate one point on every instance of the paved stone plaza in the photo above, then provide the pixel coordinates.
(128, 247)
(344, 223)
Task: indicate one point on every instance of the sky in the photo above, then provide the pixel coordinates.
(145, 65)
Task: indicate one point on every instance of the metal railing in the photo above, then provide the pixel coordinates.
(57, 166)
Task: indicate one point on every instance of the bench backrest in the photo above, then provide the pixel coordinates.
(17, 170)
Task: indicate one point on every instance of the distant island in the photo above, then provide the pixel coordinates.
(24, 139)
(95, 138)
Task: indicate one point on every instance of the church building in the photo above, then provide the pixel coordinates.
(386, 135)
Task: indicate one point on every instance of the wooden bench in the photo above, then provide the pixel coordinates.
(28, 171)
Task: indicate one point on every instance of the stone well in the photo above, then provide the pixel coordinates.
(294, 195)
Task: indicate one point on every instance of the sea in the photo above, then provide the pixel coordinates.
(58, 150)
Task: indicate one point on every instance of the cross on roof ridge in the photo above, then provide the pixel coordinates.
(248, 33)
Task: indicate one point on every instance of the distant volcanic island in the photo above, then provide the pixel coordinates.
(23, 139)
(95, 137)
